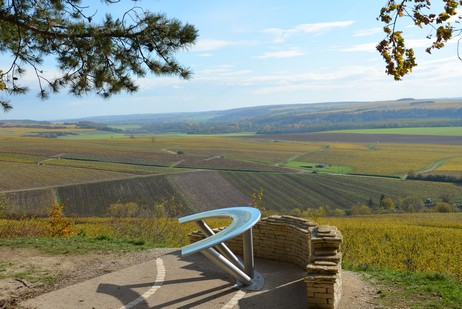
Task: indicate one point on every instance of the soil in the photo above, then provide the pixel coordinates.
(47, 272)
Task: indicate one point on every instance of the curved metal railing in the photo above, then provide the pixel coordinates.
(213, 247)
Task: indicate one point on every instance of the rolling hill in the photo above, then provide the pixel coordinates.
(298, 118)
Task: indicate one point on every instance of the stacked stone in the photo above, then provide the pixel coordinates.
(303, 243)
(324, 284)
(283, 238)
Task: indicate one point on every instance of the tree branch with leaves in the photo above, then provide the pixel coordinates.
(400, 59)
(103, 58)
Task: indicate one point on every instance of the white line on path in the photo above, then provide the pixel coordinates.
(159, 280)
(235, 300)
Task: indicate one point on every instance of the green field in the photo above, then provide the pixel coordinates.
(438, 131)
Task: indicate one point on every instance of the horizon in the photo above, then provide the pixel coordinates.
(219, 110)
(263, 53)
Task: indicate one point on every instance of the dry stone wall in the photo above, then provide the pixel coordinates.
(301, 242)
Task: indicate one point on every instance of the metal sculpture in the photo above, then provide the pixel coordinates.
(213, 247)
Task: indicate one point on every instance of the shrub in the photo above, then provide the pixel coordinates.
(412, 204)
(59, 226)
(360, 210)
(445, 207)
(259, 202)
(387, 204)
(120, 210)
(296, 212)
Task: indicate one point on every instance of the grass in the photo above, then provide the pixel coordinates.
(416, 290)
(28, 273)
(79, 245)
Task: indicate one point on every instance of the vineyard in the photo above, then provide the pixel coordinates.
(422, 243)
(207, 190)
(100, 177)
(284, 192)
(386, 159)
(19, 176)
(416, 243)
(90, 170)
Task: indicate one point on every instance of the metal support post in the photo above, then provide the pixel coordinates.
(221, 247)
(227, 266)
(248, 253)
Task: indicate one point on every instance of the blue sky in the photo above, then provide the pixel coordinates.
(266, 52)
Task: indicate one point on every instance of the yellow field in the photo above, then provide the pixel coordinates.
(450, 165)
(264, 151)
(414, 242)
(386, 159)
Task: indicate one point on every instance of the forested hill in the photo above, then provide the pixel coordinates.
(299, 118)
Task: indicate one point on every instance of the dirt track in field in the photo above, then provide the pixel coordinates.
(365, 138)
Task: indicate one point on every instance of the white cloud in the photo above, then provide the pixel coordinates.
(371, 47)
(290, 53)
(208, 44)
(317, 28)
(439, 69)
(367, 47)
(338, 79)
(367, 32)
(321, 27)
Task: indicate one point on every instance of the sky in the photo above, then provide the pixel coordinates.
(264, 52)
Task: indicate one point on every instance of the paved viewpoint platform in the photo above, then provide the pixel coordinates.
(171, 281)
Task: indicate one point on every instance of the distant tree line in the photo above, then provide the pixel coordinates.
(53, 134)
(436, 178)
(191, 127)
(298, 120)
(97, 126)
(288, 125)
(34, 126)
(383, 205)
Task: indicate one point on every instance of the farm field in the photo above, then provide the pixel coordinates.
(208, 171)
(385, 159)
(20, 176)
(203, 190)
(366, 138)
(232, 152)
(438, 131)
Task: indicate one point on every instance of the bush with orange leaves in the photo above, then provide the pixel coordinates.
(59, 226)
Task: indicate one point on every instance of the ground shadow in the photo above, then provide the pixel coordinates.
(203, 271)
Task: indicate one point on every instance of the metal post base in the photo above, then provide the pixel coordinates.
(257, 283)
